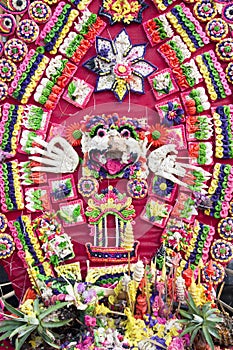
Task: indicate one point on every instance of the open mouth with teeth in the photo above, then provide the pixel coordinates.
(113, 162)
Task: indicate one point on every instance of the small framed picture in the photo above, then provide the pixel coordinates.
(62, 189)
(72, 213)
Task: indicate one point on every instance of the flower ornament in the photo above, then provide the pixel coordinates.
(15, 50)
(7, 70)
(120, 66)
(174, 114)
(217, 29)
(27, 30)
(224, 49)
(162, 187)
(74, 134)
(7, 245)
(205, 10)
(14, 6)
(39, 12)
(7, 24)
(229, 72)
(123, 11)
(157, 136)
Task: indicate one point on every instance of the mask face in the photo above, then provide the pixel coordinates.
(14, 6)
(7, 24)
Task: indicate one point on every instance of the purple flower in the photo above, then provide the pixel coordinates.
(174, 114)
(162, 187)
(81, 287)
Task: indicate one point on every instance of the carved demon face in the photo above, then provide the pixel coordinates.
(113, 147)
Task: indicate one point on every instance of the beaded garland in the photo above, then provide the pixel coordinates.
(26, 241)
(199, 128)
(187, 27)
(195, 101)
(216, 29)
(224, 49)
(229, 73)
(170, 112)
(10, 127)
(127, 12)
(56, 29)
(28, 75)
(7, 70)
(39, 12)
(201, 153)
(205, 10)
(15, 50)
(27, 30)
(3, 90)
(223, 117)
(213, 75)
(220, 191)
(50, 89)
(157, 30)
(221, 251)
(218, 275)
(225, 228)
(10, 189)
(3, 222)
(7, 246)
(199, 244)
(76, 45)
(162, 5)
(80, 4)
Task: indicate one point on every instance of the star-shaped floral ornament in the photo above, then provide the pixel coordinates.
(120, 66)
(126, 11)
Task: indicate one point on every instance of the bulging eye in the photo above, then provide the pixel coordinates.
(101, 133)
(20, 5)
(125, 133)
(7, 23)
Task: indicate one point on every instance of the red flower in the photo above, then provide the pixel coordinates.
(158, 135)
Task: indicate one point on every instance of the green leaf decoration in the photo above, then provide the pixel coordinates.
(52, 309)
(71, 89)
(186, 314)
(13, 310)
(5, 335)
(76, 212)
(214, 332)
(194, 334)
(20, 341)
(164, 108)
(208, 337)
(55, 324)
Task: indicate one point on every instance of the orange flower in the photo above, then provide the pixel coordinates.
(158, 135)
(73, 134)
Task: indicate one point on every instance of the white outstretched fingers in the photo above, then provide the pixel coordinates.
(58, 156)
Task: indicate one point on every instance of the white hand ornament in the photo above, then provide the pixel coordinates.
(59, 156)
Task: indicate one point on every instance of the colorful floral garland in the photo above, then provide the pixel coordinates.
(213, 75)
(56, 29)
(220, 190)
(28, 75)
(223, 117)
(187, 27)
(10, 189)
(10, 127)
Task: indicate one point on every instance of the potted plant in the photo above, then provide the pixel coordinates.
(35, 319)
(202, 323)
